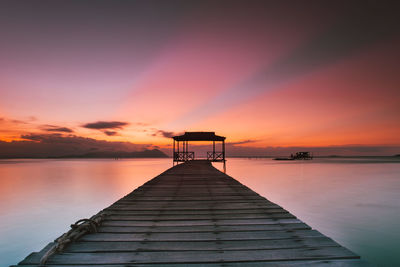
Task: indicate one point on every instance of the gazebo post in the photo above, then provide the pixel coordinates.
(223, 154)
(223, 149)
(173, 155)
(184, 150)
(213, 149)
(177, 143)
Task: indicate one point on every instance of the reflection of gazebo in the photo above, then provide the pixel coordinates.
(182, 153)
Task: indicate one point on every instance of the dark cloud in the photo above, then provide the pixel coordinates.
(107, 127)
(53, 128)
(99, 125)
(60, 129)
(242, 142)
(57, 138)
(110, 133)
(165, 134)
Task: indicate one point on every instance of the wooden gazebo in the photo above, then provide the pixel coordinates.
(181, 153)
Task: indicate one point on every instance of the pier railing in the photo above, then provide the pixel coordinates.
(215, 156)
(183, 156)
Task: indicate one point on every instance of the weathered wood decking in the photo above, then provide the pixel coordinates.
(193, 214)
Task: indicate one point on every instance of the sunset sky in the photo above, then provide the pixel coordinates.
(263, 73)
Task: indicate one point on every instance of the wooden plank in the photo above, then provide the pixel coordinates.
(300, 263)
(197, 236)
(193, 202)
(164, 207)
(203, 228)
(200, 245)
(193, 217)
(170, 187)
(140, 212)
(196, 222)
(183, 205)
(193, 196)
(192, 199)
(187, 194)
(202, 256)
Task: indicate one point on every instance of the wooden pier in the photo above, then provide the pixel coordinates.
(193, 215)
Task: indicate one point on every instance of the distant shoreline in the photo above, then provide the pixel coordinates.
(332, 156)
(154, 153)
(1, 158)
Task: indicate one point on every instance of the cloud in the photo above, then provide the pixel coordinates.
(242, 142)
(60, 129)
(99, 125)
(110, 133)
(40, 137)
(165, 134)
(107, 127)
(53, 128)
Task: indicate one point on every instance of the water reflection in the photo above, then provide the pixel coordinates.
(354, 201)
(39, 199)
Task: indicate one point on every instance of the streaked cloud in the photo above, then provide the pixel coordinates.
(243, 142)
(99, 125)
(165, 134)
(54, 128)
(110, 133)
(107, 127)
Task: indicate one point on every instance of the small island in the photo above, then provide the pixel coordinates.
(298, 156)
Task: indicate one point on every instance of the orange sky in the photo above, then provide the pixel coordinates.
(273, 74)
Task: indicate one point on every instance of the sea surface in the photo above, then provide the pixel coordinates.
(355, 201)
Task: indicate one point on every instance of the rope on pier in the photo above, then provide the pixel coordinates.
(91, 227)
(78, 229)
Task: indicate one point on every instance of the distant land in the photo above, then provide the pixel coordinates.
(59, 146)
(148, 153)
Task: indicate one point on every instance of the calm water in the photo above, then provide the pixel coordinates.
(354, 201)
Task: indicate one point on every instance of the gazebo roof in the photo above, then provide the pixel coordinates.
(199, 136)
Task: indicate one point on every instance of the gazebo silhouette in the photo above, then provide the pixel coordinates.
(181, 153)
